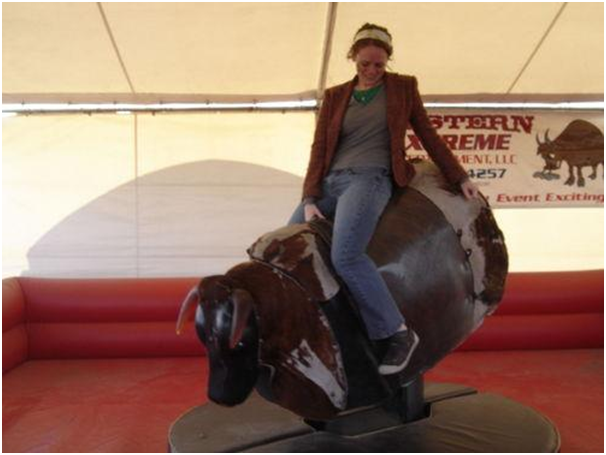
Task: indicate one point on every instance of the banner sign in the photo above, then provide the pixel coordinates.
(526, 158)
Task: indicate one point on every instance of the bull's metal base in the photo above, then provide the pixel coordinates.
(456, 419)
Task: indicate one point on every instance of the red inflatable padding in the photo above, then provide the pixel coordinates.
(143, 339)
(14, 347)
(13, 304)
(69, 318)
(105, 300)
(551, 331)
(553, 292)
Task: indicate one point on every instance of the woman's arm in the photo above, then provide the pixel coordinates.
(432, 142)
(312, 185)
(469, 189)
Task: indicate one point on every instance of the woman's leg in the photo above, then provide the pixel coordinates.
(298, 215)
(359, 208)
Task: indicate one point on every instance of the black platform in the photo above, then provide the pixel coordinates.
(457, 419)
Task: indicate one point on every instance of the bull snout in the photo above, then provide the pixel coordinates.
(233, 370)
(230, 384)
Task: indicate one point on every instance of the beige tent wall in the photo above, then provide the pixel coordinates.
(146, 195)
(185, 195)
(52, 166)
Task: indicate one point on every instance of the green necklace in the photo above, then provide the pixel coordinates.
(365, 96)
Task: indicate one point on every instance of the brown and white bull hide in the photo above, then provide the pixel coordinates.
(444, 261)
(300, 253)
(478, 234)
(442, 256)
(296, 343)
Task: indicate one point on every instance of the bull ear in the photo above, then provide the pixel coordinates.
(243, 306)
(188, 309)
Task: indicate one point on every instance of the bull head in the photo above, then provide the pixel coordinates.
(545, 145)
(226, 325)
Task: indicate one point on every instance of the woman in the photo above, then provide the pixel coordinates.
(356, 158)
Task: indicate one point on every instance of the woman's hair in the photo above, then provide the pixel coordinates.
(361, 43)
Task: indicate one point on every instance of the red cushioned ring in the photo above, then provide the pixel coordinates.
(553, 292)
(546, 331)
(14, 347)
(105, 300)
(13, 304)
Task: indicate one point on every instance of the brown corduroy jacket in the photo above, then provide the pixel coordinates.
(404, 108)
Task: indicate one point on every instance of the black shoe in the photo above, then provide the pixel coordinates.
(401, 347)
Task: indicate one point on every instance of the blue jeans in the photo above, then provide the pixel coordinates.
(355, 199)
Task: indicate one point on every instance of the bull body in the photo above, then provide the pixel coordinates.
(581, 144)
(283, 323)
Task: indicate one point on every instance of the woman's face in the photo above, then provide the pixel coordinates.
(370, 65)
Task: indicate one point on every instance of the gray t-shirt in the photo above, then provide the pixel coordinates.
(364, 140)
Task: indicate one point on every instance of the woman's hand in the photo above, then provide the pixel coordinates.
(470, 190)
(312, 210)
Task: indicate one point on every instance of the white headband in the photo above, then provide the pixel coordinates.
(373, 33)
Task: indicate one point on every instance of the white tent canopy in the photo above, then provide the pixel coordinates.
(113, 51)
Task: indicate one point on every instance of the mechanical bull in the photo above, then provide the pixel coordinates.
(283, 323)
(580, 144)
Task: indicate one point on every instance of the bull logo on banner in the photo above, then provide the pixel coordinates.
(581, 144)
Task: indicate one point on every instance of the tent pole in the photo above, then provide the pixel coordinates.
(331, 17)
(536, 49)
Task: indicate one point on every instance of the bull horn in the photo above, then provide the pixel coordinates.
(188, 309)
(243, 305)
(547, 136)
(537, 139)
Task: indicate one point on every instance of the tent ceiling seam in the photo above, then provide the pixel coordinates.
(330, 27)
(537, 47)
(115, 46)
